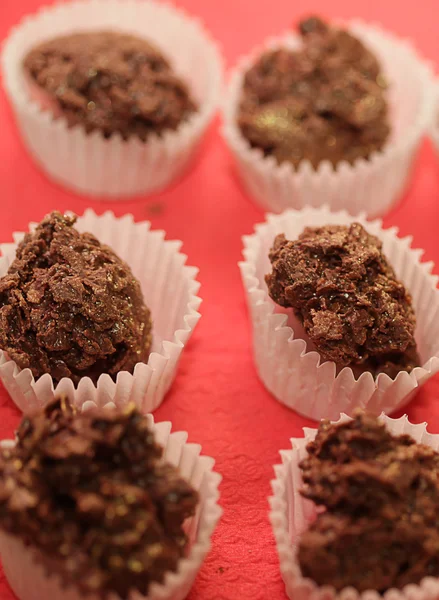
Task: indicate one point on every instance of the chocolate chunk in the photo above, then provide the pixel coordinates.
(91, 493)
(111, 81)
(346, 294)
(69, 306)
(381, 499)
(359, 466)
(323, 102)
(313, 25)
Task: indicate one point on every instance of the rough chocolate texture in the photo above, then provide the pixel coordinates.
(342, 288)
(90, 492)
(381, 495)
(112, 82)
(70, 307)
(325, 101)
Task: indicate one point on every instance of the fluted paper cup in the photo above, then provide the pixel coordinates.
(291, 515)
(289, 367)
(434, 129)
(170, 291)
(29, 580)
(372, 185)
(89, 163)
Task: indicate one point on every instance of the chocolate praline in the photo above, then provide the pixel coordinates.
(380, 498)
(108, 81)
(345, 293)
(70, 307)
(324, 101)
(90, 494)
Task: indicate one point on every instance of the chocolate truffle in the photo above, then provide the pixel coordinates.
(346, 294)
(110, 81)
(325, 101)
(380, 495)
(90, 493)
(70, 307)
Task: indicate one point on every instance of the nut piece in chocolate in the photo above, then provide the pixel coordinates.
(70, 307)
(110, 81)
(380, 495)
(91, 494)
(344, 291)
(325, 101)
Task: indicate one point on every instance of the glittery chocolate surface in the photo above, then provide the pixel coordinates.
(70, 307)
(90, 492)
(381, 495)
(325, 101)
(346, 294)
(112, 82)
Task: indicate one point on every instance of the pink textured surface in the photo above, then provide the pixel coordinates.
(217, 397)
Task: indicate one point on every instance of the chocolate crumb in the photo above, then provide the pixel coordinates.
(381, 498)
(324, 101)
(70, 307)
(90, 492)
(346, 294)
(156, 209)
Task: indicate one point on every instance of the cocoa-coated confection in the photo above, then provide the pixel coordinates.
(70, 307)
(90, 494)
(324, 101)
(110, 81)
(379, 529)
(346, 294)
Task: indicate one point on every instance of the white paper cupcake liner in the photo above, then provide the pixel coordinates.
(290, 370)
(89, 163)
(434, 128)
(30, 582)
(170, 291)
(372, 185)
(291, 515)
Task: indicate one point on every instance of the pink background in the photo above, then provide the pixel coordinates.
(217, 396)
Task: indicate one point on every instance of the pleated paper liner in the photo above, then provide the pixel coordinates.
(291, 515)
(90, 163)
(434, 127)
(170, 290)
(373, 185)
(293, 372)
(29, 581)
